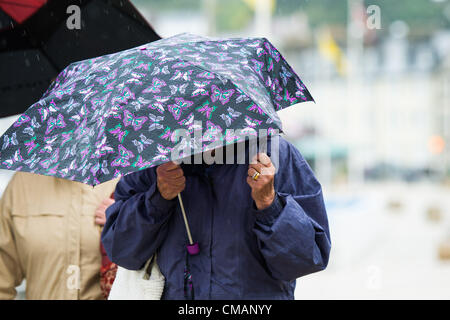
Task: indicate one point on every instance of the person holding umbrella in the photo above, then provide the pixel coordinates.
(252, 229)
(257, 230)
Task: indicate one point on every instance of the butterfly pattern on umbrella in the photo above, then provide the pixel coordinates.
(112, 115)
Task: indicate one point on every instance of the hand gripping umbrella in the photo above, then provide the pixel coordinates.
(115, 114)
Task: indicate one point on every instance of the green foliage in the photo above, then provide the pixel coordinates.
(169, 5)
(319, 12)
(422, 16)
(232, 15)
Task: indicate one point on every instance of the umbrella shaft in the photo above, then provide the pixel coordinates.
(185, 219)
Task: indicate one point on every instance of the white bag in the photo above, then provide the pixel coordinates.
(144, 284)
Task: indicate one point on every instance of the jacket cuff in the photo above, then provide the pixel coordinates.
(270, 214)
(160, 204)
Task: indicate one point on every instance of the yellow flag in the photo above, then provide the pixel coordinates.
(330, 50)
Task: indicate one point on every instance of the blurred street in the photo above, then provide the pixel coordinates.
(385, 244)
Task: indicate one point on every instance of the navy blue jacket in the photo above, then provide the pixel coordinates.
(244, 253)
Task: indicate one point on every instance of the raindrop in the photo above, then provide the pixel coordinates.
(27, 62)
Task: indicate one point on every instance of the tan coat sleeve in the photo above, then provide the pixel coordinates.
(11, 274)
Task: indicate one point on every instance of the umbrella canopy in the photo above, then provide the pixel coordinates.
(5, 20)
(36, 45)
(20, 10)
(119, 113)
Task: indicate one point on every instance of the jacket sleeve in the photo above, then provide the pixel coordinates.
(136, 223)
(292, 233)
(11, 274)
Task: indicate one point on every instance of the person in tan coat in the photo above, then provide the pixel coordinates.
(50, 235)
